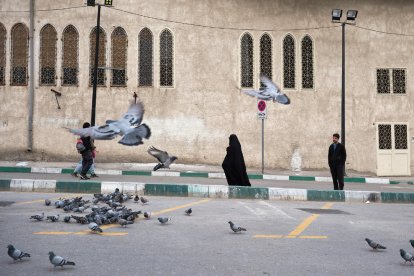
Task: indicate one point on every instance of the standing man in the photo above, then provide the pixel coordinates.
(336, 160)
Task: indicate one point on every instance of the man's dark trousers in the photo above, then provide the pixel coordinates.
(337, 173)
(87, 161)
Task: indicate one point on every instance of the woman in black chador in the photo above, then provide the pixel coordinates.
(233, 164)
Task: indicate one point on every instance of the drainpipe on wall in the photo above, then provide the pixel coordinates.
(31, 77)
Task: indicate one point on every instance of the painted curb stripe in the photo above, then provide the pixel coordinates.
(387, 197)
(15, 169)
(248, 192)
(78, 187)
(5, 184)
(317, 195)
(194, 174)
(301, 178)
(166, 190)
(136, 173)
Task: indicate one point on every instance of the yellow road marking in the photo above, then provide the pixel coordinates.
(53, 233)
(301, 227)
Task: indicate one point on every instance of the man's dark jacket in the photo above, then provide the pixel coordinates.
(336, 157)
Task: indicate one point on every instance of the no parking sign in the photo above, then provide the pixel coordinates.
(261, 109)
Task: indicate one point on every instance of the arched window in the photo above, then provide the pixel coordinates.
(119, 55)
(2, 54)
(266, 56)
(101, 57)
(246, 57)
(19, 48)
(166, 58)
(307, 62)
(48, 39)
(145, 57)
(70, 50)
(289, 78)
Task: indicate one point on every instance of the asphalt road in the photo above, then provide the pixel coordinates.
(282, 238)
(216, 181)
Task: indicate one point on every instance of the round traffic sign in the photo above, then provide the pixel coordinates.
(261, 105)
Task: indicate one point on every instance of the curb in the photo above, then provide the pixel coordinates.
(197, 190)
(371, 180)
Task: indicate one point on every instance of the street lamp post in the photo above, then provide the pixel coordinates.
(95, 69)
(350, 19)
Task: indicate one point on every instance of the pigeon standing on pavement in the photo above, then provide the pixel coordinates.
(147, 215)
(47, 202)
(236, 228)
(15, 253)
(38, 217)
(375, 245)
(53, 218)
(406, 256)
(66, 219)
(94, 227)
(124, 222)
(136, 199)
(188, 211)
(412, 243)
(270, 92)
(128, 126)
(58, 260)
(144, 200)
(164, 220)
(163, 157)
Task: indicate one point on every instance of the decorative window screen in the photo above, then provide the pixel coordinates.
(289, 77)
(266, 57)
(246, 57)
(391, 81)
(307, 62)
(101, 57)
(400, 134)
(145, 58)
(48, 38)
(166, 58)
(384, 136)
(119, 56)
(70, 56)
(2, 54)
(19, 55)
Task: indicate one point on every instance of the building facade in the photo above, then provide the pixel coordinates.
(188, 61)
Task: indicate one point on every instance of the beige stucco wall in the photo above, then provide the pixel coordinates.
(194, 118)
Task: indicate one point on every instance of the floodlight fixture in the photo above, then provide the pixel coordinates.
(351, 15)
(336, 14)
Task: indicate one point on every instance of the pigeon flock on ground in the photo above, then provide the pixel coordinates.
(408, 257)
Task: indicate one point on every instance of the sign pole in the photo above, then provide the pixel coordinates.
(262, 146)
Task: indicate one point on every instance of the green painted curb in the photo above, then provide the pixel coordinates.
(355, 179)
(15, 169)
(255, 176)
(166, 190)
(136, 173)
(302, 178)
(248, 192)
(193, 174)
(394, 182)
(316, 195)
(387, 197)
(78, 187)
(67, 171)
(5, 184)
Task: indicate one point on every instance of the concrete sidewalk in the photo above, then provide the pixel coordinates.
(210, 182)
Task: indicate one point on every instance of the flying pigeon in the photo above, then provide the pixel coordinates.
(94, 227)
(128, 126)
(53, 218)
(375, 245)
(58, 260)
(15, 253)
(163, 157)
(406, 256)
(144, 200)
(47, 202)
(188, 211)
(147, 215)
(236, 228)
(270, 92)
(38, 217)
(412, 243)
(164, 219)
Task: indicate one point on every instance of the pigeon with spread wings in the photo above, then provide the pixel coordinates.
(128, 126)
(163, 157)
(269, 92)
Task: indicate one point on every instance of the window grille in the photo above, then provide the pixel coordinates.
(119, 56)
(400, 134)
(246, 56)
(391, 81)
(384, 136)
(101, 57)
(19, 55)
(307, 62)
(145, 58)
(48, 39)
(70, 56)
(166, 58)
(2, 54)
(266, 57)
(289, 77)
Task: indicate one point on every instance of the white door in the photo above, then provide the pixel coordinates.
(393, 155)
